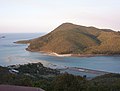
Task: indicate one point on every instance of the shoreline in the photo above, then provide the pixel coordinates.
(79, 55)
(86, 70)
(73, 55)
(65, 55)
(89, 73)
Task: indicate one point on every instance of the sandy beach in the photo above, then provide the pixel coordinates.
(75, 55)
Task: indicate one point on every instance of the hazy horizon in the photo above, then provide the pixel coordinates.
(35, 16)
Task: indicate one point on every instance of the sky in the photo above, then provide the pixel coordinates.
(35, 16)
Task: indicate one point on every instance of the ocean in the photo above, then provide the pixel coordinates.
(12, 54)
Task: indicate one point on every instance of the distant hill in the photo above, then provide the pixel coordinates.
(69, 38)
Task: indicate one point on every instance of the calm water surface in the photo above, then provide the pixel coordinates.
(11, 53)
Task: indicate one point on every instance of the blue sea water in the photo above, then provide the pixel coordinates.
(11, 53)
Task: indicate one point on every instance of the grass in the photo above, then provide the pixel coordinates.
(75, 39)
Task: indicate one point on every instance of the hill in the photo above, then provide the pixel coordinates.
(67, 82)
(31, 75)
(69, 38)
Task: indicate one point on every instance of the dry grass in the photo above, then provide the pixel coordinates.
(70, 38)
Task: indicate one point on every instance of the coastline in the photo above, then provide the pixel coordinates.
(77, 55)
(74, 70)
(73, 55)
(78, 71)
(89, 73)
(63, 55)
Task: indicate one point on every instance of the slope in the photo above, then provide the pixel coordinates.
(69, 38)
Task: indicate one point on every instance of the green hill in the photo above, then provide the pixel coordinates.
(69, 38)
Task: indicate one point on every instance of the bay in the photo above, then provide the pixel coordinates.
(11, 53)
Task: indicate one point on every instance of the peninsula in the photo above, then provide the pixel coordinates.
(78, 40)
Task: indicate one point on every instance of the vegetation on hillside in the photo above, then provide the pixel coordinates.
(36, 70)
(75, 39)
(61, 82)
(32, 75)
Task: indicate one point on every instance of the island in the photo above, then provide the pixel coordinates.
(75, 40)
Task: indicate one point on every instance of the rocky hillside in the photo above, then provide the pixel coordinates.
(69, 38)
